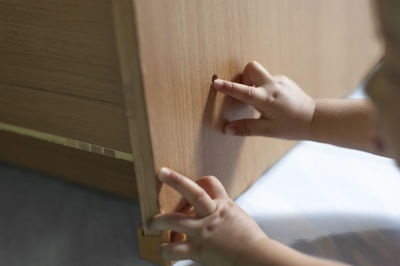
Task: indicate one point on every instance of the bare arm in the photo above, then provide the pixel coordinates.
(343, 122)
(269, 252)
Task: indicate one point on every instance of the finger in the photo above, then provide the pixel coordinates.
(255, 74)
(254, 96)
(247, 127)
(192, 192)
(177, 251)
(213, 187)
(175, 221)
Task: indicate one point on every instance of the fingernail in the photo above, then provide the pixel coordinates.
(164, 172)
(229, 131)
(218, 84)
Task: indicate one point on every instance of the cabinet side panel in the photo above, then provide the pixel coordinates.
(65, 47)
(59, 71)
(325, 46)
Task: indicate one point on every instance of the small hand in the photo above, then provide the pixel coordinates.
(286, 111)
(219, 232)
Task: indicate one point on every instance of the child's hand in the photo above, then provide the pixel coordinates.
(218, 234)
(286, 111)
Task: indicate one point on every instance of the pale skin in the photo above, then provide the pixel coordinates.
(286, 111)
(221, 233)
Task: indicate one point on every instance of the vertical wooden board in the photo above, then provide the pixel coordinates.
(136, 111)
(325, 46)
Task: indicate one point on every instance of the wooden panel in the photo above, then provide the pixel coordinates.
(87, 120)
(325, 46)
(135, 107)
(60, 46)
(105, 173)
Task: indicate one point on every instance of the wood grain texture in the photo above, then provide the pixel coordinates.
(136, 110)
(325, 46)
(67, 116)
(102, 172)
(59, 71)
(61, 46)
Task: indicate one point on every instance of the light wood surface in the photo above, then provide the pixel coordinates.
(325, 46)
(61, 46)
(136, 110)
(64, 115)
(59, 71)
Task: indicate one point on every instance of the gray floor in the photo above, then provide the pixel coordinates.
(45, 221)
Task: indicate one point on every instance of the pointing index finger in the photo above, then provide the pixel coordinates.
(247, 94)
(192, 192)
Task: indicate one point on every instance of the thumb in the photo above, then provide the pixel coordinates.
(247, 127)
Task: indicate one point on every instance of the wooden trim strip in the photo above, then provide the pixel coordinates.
(136, 110)
(72, 143)
(74, 165)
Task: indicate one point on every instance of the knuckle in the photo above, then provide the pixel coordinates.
(226, 208)
(199, 196)
(228, 86)
(269, 99)
(262, 98)
(281, 79)
(247, 131)
(244, 129)
(249, 92)
(208, 230)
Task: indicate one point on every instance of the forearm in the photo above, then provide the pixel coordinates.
(268, 252)
(343, 122)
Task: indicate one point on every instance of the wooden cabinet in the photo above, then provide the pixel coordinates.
(125, 84)
(61, 101)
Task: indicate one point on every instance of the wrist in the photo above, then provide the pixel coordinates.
(317, 105)
(307, 134)
(253, 252)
